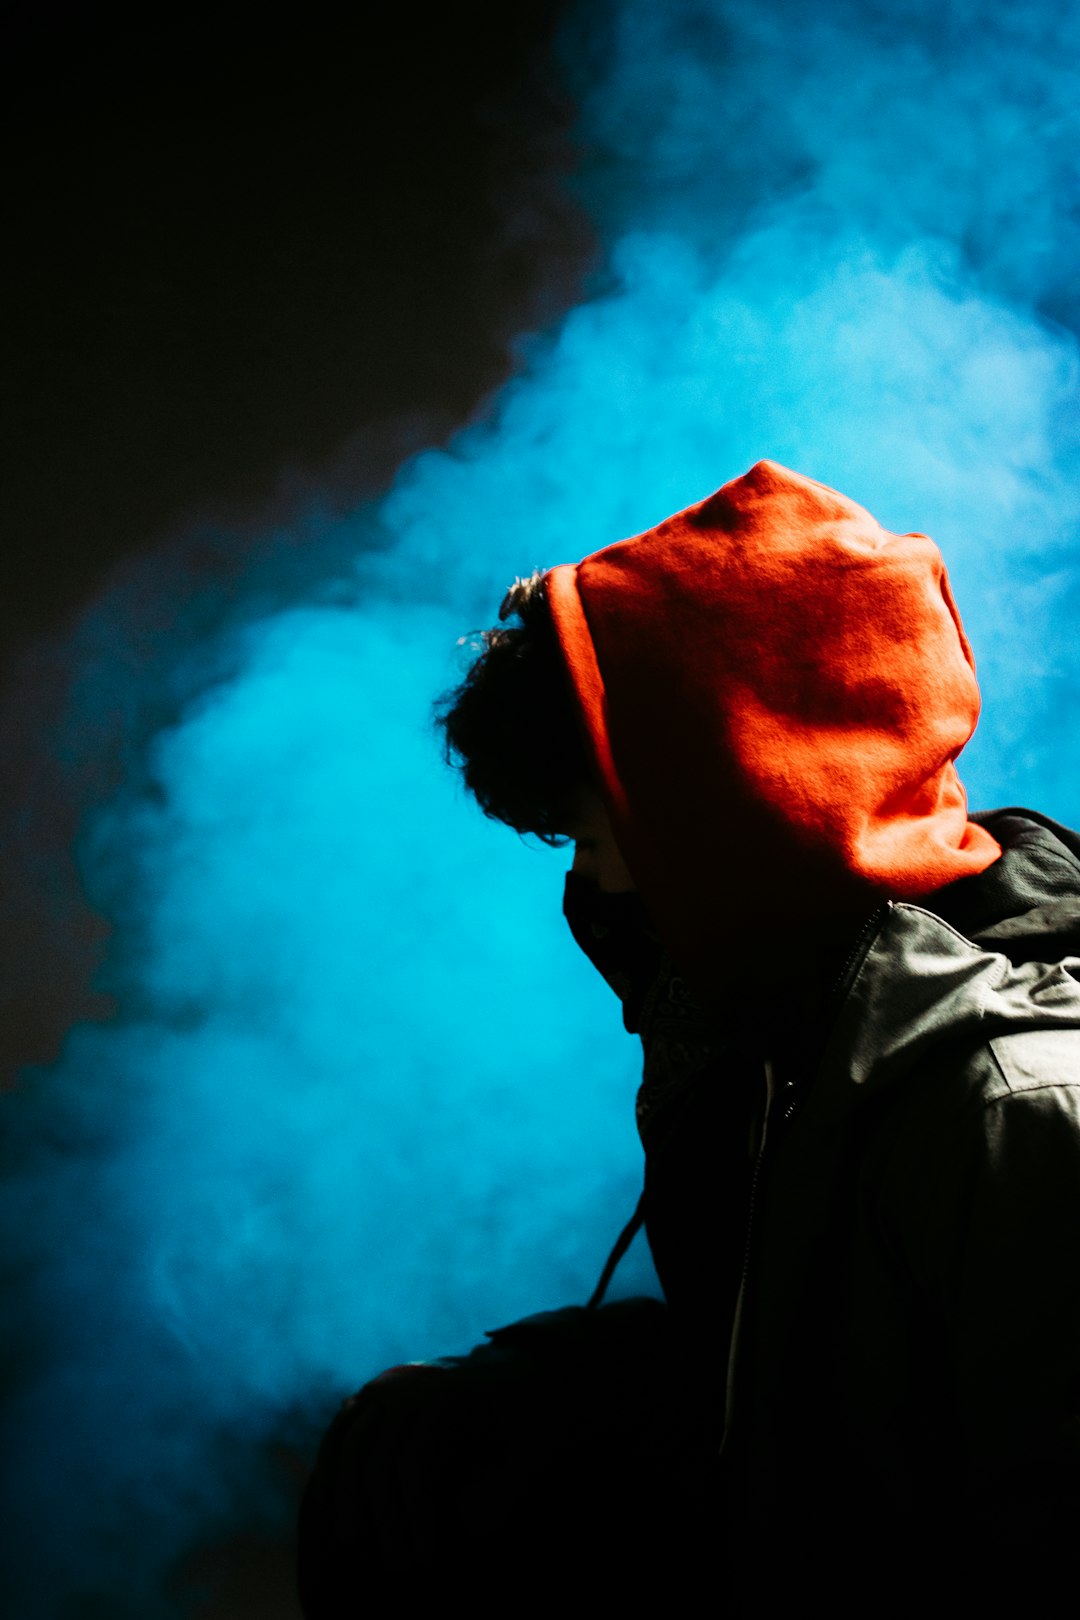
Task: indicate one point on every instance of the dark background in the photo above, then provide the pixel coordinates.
(237, 239)
(251, 254)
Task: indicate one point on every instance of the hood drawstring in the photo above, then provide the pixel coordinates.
(622, 1243)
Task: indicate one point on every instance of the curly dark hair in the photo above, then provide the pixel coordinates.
(512, 726)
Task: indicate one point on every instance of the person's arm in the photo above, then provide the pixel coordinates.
(993, 1238)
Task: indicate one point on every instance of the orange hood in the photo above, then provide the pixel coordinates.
(774, 690)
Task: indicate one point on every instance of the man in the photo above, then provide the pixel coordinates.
(860, 1108)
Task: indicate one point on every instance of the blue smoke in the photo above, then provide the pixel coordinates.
(361, 1098)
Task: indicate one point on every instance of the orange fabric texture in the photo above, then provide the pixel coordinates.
(775, 690)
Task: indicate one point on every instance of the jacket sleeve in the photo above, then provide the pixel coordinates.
(994, 1242)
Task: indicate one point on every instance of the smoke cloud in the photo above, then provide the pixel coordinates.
(361, 1098)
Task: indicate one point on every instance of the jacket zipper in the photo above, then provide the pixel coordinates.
(736, 1323)
(840, 985)
(857, 952)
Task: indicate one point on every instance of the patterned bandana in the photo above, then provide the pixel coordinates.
(679, 1042)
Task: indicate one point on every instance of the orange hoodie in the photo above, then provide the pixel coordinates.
(774, 689)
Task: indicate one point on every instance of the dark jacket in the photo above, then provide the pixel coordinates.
(901, 1399)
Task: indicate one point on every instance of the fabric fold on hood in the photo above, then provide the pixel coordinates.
(774, 690)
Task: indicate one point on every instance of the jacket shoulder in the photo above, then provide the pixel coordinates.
(1033, 1060)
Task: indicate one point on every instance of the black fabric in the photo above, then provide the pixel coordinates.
(908, 1271)
(909, 1398)
(614, 932)
(699, 1112)
(1027, 905)
(700, 1153)
(559, 1462)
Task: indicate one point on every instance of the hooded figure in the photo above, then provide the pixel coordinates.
(860, 1105)
(774, 691)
